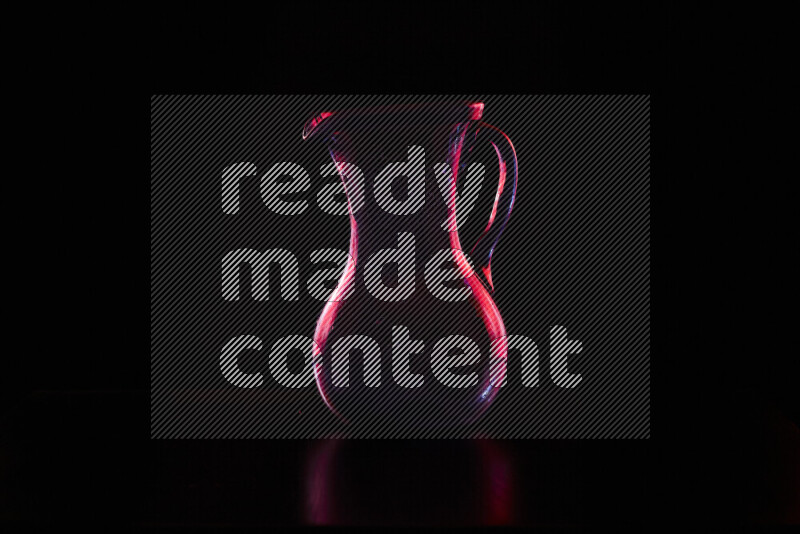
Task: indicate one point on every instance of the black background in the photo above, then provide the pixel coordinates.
(725, 438)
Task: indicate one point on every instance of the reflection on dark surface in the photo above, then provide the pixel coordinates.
(82, 458)
(458, 482)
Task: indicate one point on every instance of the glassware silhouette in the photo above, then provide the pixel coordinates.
(380, 323)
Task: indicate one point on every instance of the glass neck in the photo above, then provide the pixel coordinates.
(397, 182)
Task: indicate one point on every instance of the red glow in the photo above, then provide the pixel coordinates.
(314, 122)
(477, 111)
(482, 301)
(331, 309)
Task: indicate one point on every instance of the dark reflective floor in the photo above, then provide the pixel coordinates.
(81, 457)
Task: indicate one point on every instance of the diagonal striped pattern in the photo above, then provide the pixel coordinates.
(238, 271)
